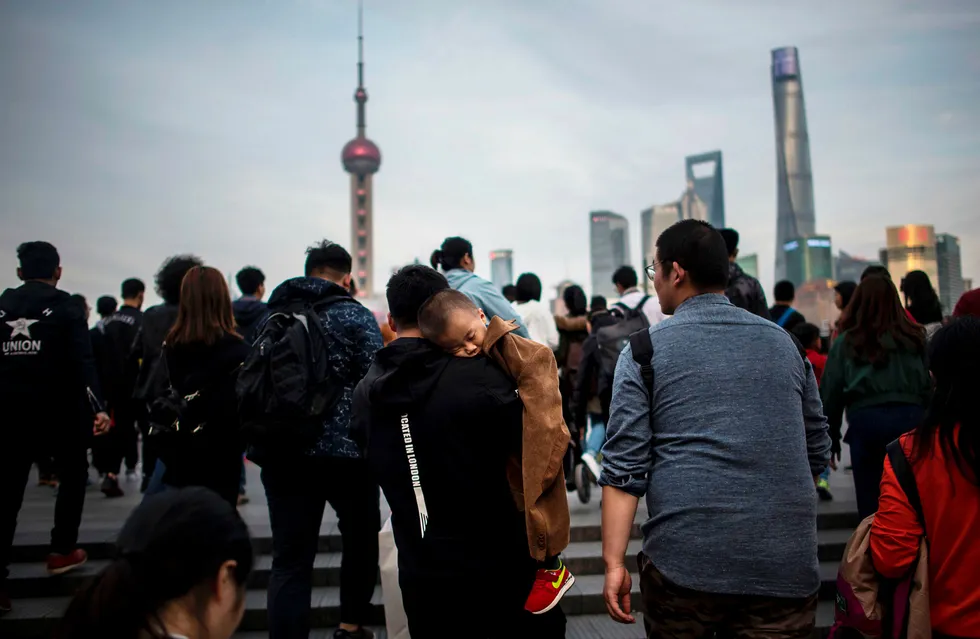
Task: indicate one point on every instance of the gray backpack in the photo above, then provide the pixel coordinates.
(613, 339)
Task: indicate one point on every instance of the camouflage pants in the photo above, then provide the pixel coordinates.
(673, 611)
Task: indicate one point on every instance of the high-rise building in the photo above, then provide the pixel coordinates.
(911, 248)
(808, 258)
(950, 270)
(502, 268)
(749, 264)
(795, 215)
(708, 185)
(609, 247)
(967, 285)
(848, 267)
(362, 159)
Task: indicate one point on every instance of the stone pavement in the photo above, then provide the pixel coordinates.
(39, 599)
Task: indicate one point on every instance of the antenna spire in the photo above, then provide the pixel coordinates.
(360, 95)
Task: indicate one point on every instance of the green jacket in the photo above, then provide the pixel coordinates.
(851, 383)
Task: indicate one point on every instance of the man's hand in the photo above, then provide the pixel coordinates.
(102, 424)
(616, 592)
(834, 458)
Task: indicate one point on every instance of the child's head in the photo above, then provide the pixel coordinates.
(809, 336)
(453, 322)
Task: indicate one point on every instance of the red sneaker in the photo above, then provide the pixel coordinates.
(60, 564)
(548, 589)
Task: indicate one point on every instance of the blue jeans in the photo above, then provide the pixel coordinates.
(156, 484)
(869, 431)
(597, 435)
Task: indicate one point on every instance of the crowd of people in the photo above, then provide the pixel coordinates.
(475, 411)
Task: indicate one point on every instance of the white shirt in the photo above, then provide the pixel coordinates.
(540, 323)
(651, 309)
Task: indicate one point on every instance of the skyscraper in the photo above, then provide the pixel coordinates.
(808, 259)
(950, 271)
(609, 247)
(849, 267)
(710, 188)
(502, 268)
(362, 159)
(794, 181)
(658, 218)
(911, 248)
(749, 263)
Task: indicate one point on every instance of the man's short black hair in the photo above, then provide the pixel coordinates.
(509, 292)
(598, 303)
(807, 333)
(249, 280)
(38, 260)
(106, 305)
(699, 249)
(328, 256)
(171, 276)
(131, 288)
(625, 276)
(784, 291)
(408, 289)
(731, 240)
(875, 270)
(528, 288)
(435, 312)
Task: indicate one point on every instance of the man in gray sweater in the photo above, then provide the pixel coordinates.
(726, 461)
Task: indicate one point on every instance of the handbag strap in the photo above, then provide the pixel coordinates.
(906, 479)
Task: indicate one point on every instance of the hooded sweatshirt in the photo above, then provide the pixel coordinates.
(438, 432)
(46, 361)
(250, 313)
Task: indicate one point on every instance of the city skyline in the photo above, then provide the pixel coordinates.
(137, 131)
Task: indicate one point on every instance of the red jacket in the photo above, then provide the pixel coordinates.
(951, 505)
(818, 362)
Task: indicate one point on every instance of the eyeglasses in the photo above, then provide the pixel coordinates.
(651, 270)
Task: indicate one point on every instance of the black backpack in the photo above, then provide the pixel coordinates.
(285, 386)
(612, 339)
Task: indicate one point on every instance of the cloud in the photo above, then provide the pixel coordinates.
(131, 132)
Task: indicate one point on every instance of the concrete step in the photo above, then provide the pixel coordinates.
(582, 558)
(583, 604)
(832, 518)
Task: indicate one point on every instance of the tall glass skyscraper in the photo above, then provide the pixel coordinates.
(794, 181)
(950, 270)
(502, 268)
(609, 247)
(709, 187)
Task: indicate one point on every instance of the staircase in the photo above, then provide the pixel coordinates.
(39, 600)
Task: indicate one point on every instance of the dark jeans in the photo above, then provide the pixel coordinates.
(432, 612)
(151, 452)
(869, 431)
(70, 464)
(297, 492)
(681, 613)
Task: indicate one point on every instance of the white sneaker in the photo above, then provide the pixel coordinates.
(592, 464)
(131, 475)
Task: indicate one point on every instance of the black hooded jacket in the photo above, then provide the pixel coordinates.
(46, 362)
(250, 313)
(438, 431)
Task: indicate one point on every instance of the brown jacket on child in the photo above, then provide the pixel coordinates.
(537, 478)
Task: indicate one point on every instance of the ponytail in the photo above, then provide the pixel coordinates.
(450, 255)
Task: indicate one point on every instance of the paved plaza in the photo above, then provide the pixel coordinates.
(39, 599)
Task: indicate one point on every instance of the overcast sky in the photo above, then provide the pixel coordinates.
(132, 130)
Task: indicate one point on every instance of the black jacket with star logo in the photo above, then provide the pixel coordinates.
(46, 360)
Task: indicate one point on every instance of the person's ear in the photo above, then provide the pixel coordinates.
(391, 324)
(483, 316)
(347, 280)
(20, 274)
(57, 274)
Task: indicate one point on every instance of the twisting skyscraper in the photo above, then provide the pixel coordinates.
(362, 159)
(794, 180)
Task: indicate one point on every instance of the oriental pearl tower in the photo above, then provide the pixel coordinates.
(362, 159)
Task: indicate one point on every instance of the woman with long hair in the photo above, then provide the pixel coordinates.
(573, 330)
(180, 567)
(876, 371)
(455, 258)
(921, 299)
(203, 355)
(944, 451)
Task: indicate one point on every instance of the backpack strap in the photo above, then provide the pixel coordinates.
(642, 348)
(906, 478)
(784, 318)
